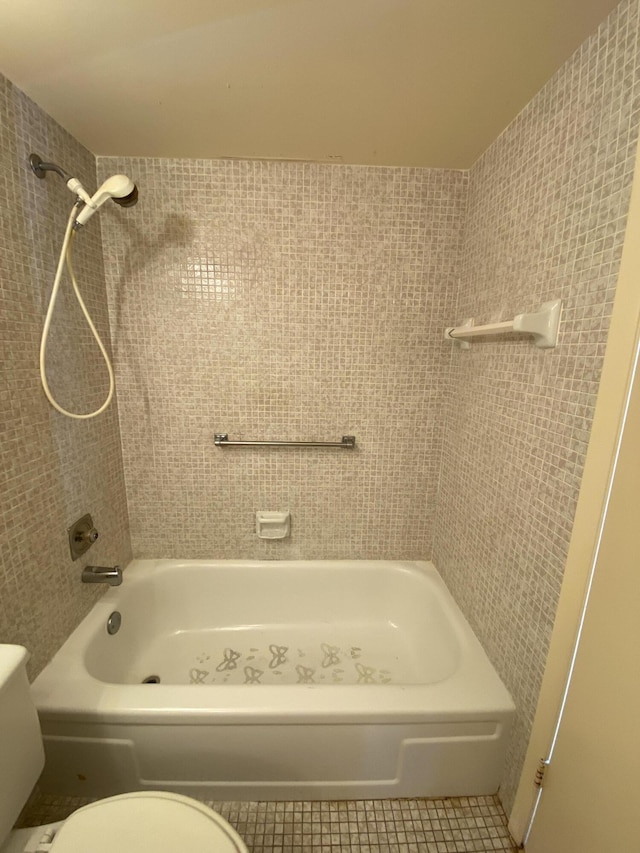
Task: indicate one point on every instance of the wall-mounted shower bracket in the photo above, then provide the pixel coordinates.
(543, 324)
(40, 168)
(82, 535)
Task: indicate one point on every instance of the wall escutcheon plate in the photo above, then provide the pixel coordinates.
(82, 535)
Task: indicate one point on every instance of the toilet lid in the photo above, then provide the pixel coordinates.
(146, 822)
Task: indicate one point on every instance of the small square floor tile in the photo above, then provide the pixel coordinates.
(455, 825)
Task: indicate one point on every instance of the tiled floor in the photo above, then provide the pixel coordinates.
(456, 825)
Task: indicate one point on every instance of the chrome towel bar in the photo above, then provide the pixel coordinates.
(347, 442)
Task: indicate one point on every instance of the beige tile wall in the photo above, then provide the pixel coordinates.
(52, 469)
(546, 219)
(282, 301)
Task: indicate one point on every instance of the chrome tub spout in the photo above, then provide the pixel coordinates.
(102, 574)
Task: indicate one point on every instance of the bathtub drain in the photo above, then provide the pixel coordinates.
(151, 679)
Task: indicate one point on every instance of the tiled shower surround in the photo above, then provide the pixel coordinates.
(546, 219)
(276, 300)
(308, 301)
(52, 469)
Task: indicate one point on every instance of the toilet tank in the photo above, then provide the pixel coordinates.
(21, 751)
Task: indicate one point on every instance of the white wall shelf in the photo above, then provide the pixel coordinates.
(543, 324)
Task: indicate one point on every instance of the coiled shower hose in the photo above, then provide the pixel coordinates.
(65, 257)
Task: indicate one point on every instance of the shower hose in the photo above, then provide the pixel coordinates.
(65, 258)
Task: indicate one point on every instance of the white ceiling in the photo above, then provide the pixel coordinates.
(396, 82)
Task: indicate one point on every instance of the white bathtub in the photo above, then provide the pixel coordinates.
(278, 680)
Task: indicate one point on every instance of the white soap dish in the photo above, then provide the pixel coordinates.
(273, 525)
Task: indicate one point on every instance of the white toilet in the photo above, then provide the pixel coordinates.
(140, 822)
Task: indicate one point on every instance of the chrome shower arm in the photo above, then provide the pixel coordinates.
(40, 168)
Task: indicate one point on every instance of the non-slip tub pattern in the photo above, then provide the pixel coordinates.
(320, 663)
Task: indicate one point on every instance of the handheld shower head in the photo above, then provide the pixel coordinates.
(125, 193)
(127, 200)
(120, 188)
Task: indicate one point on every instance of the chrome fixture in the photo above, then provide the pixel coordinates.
(82, 535)
(102, 574)
(40, 168)
(222, 440)
(114, 622)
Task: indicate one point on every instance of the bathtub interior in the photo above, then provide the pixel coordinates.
(247, 624)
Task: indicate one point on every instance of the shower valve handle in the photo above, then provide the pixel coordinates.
(90, 536)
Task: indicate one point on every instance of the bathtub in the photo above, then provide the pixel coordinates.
(274, 680)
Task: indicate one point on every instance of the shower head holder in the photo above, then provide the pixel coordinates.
(40, 168)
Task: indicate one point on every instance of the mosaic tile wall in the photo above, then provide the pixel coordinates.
(52, 469)
(546, 219)
(277, 300)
